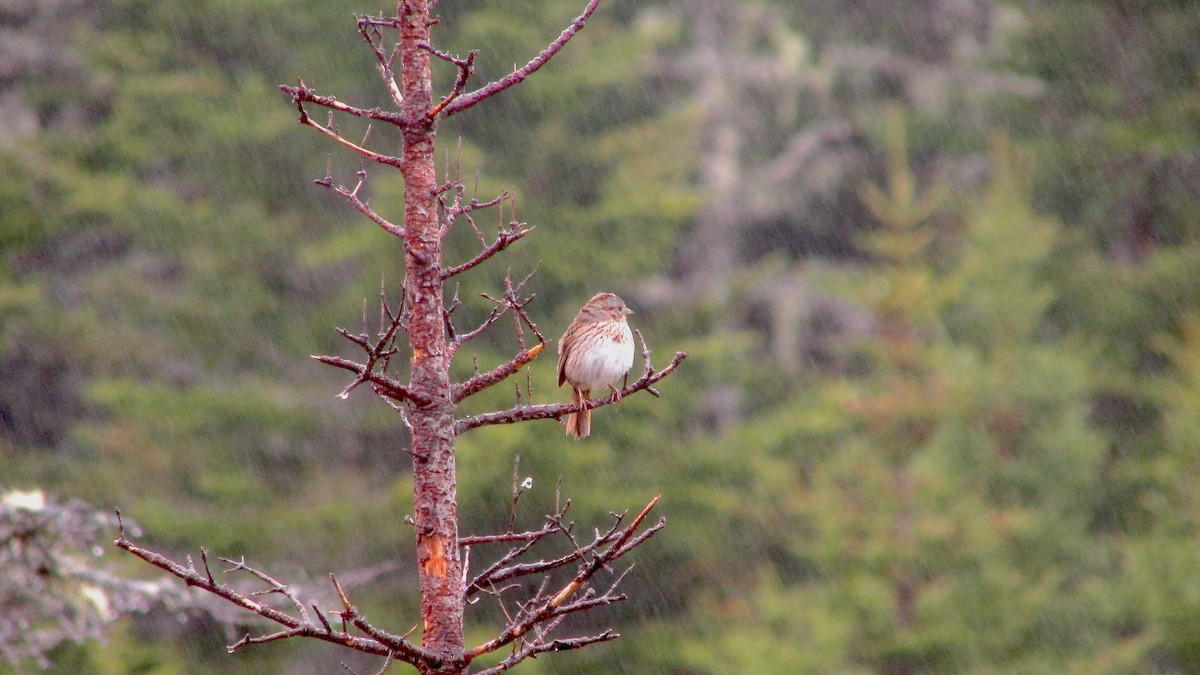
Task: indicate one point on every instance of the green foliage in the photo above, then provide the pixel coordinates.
(935, 511)
(991, 474)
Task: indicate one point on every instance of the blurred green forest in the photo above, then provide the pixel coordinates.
(937, 265)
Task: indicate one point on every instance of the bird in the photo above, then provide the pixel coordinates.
(596, 349)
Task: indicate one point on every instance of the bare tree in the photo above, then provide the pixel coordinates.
(427, 403)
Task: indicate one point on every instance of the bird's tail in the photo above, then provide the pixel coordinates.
(579, 424)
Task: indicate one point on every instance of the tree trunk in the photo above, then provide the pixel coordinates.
(436, 493)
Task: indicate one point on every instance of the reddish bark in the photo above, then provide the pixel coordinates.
(434, 486)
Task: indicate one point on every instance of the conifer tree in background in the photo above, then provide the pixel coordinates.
(932, 507)
(166, 266)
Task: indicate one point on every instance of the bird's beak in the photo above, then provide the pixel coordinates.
(628, 311)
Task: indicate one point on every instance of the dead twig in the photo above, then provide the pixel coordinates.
(362, 207)
(532, 649)
(504, 238)
(299, 625)
(368, 27)
(544, 610)
(466, 68)
(465, 101)
(302, 93)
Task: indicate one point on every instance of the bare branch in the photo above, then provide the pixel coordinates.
(521, 413)
(456, 208)
(400, 645)
(207, 571)
(385, 22)
(378, 352)
(466, 68)
(497, 572)
(504, 370)
(626, 541)
(390, 387)
(540, 609)
(369, 29)
(302, 93)
(512, 300)
(248, 639)
(532, 649)
(351, 196)
(501, 571)
(275, 585)
(379, 643)
(503, 239)
(492, 88)
(493, 317)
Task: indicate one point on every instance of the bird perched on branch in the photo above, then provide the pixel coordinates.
(596, 350)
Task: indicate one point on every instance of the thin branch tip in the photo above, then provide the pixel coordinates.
(518, 75)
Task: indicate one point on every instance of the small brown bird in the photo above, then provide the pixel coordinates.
(596, 350)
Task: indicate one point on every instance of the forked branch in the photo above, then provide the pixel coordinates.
(506, 568)
(545, 611)
(383, 384)
(302, 94)
(492, 88)
(504, 238)
(534, 620)
(299, 624)
(466, 68)
(379, 353)
(368, 27)
(364, 208)
(513, 301)
(531, 649)
(498, 374)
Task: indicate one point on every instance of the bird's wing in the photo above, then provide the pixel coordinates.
(563, 351)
